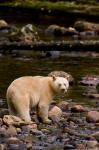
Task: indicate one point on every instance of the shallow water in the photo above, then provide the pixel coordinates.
(12, 68)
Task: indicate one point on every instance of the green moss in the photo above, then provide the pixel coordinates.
(60, 5)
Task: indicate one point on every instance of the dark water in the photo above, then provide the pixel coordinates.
(12, 68)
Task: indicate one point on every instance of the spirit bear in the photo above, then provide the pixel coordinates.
(38, 91)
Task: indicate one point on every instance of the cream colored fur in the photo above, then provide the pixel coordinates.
(27, 92)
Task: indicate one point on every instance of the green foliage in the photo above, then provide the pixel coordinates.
(82, 6)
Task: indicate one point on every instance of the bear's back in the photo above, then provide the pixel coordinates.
(29, 84)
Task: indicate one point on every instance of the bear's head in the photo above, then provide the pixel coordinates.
(60, 84)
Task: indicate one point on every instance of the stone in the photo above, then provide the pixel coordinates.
(96, 135)
(92, 116)
(29, 34)
(3, 147)
(78, 108)
(55, 114)
(32, 126)
(53, 30)
(11, 131)
(13, 143)
(92, 144)
(91, 95)
(80, 147)
(18, 130)
(86, 26)
(13, 120)
(90, 81)
(64, 106)
(3, 132)
(3, 23)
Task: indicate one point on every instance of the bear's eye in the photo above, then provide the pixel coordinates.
(59, 84)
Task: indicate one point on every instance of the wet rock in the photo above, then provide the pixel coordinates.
(95, 135)
(86, 26)
(29, 34)
(3, 132)
(52, 139)
(37, 147)
(18, 130)
(3, 147)
(87, 34)
(70, 31)
(29, 145)
(92, 144)
(80, 147)
(92, 116)
(46, 131)
(64, 106)
(53, 30)
(36, 132)
(3, 24)
(13, 143)
(90, 81)
(78, 108)
(32, 126)
(11, 131)
(51, 54)
(60, 31)
(91, 95)
(62, 74)
(55, 114)
(13, 120)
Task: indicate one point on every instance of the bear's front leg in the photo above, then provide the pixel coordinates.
(43, 113)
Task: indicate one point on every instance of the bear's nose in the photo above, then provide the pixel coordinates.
(63, 90)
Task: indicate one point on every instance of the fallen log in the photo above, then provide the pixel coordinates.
(76, 45)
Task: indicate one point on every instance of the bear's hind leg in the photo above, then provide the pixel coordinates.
(12, 110)
(24, 114)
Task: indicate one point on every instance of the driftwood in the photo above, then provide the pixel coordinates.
(77, 45)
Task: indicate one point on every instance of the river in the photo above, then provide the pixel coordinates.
(14, 67)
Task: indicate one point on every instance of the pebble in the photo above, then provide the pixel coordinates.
(96, 135)
(11, 131)
(64, 106)
(13, 143)
(92, 116)
(78, 108)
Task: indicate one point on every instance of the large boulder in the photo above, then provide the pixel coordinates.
(13, 120)
(55, 114)
(90, 80)
(60, 31)
(54, 30)
(86, 26)
(29, 34)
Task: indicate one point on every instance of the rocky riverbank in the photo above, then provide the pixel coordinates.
(73, 127)
(82, 35)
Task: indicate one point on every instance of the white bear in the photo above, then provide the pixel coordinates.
(38, 91)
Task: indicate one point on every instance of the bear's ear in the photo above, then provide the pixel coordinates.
(54, 77)
(67, 77)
